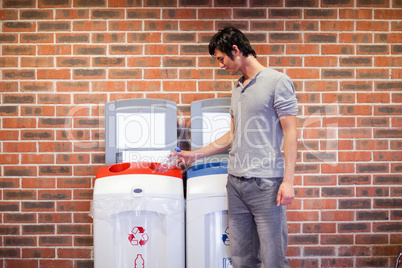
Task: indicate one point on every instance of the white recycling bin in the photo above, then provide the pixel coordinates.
(138, 217)
(207, 229)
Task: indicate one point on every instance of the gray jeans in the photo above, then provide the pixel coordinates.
(257, 226)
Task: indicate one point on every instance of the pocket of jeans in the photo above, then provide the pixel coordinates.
(266, 184)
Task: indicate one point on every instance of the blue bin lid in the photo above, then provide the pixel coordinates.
(207, 169)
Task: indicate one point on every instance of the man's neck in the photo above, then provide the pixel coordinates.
(250, 67)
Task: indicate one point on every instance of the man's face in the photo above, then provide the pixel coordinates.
(226, 62)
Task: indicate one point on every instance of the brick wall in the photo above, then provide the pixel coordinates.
(62, 60)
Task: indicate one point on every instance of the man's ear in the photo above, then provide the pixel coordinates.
(235, 50)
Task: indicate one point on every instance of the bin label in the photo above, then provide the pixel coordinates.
(139, 262)
(138, 236)
(227, 263)
(225, 237)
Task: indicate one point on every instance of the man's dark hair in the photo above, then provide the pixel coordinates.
(226, 38)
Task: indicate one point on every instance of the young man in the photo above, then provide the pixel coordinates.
(260, 180)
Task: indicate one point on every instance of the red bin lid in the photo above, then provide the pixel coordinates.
(136, 168)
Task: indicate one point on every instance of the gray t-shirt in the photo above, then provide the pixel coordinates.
(256, 108)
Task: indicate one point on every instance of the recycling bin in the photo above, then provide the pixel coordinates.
(207, 230)
(138, 217)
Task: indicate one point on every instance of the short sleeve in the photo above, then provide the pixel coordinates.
(285, 102)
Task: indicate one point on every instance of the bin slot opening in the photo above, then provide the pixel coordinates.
(119, 167)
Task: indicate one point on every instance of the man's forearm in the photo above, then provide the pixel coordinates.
(219, 146)
(289, 146)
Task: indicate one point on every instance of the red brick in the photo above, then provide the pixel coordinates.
(53, 241)
(338, 97)
(396, 74)
(108, 37)
(89, 74)
(144, 61)
(302, 216)
(19, 147)
(54, 74)
(365, 26)
(164, 96)
(180, 14)
(8, 14)
(37, 86)
(73, 206)
(38, 183)
(55, 147)
(73, 253)
(371, 239)
(127, 26)
(48, 217)
(56, 263)
(299, 26)
(214, 14)
(355, 38)
(8, 86)
(27, 74)
(38, 253)
(93, 98)
(337, 49)
(315, 61)
(337, 262)
(160, 49)
(8, 62)
(179, 85)
(80, 194)
(371, 145)
(37, 159)
(305, 73)
(70, 14)
(19, 26)
(145, 37)
(57, 98)
(387, 61)
(319, 228)
(195, 74)
(214, 86)
(319, 204)
(355, 133)
(189, 98)
(337, 215)
(390, 14)
(21, 263)
(337, 26)
(125, 74)
(73, 62)
(292, 13)
(372, 168)
(54, 49)
(356, 14)
(38, 110)
(302, 49)
(161, 25)
(72, 38)
(337, 168)
(72, 86)
(372, 192)
(108, 86)
(37, 62)
(355, 156)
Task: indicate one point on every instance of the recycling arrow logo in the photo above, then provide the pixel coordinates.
(225, 237)
(138, 236)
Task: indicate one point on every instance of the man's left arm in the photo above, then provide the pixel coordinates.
(286, 192)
